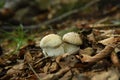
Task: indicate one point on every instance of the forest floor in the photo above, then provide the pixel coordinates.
(98, 57)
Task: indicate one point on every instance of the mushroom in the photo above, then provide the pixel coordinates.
(72, 41)
(50, 45)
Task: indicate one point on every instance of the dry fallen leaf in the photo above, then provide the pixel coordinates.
(15, 69)
(28, 57)
(111, 74)
(107, 41)
(67, 76)
(46, 67)
(102, 54)
(54, 67)
(115, 59)
(57, 75)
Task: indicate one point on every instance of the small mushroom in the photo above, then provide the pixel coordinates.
(50, 45)
(72, 41)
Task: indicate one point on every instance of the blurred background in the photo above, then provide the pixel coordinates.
(26, 12)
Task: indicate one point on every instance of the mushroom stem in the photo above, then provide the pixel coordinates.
(70, 48)
(53, 51)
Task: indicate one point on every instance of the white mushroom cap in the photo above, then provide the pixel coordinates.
(51, 40)
(50, 45)
(72, 38)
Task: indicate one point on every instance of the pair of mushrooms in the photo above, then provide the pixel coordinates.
(54, 45)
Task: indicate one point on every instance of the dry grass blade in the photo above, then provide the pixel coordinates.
(29, 59)
(34, 71)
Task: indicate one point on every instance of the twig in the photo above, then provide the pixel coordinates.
(102, 20)
(104, 26)
(28, 59)
(57, 18)
(56, 75)
(44, 58)
(34, 71)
